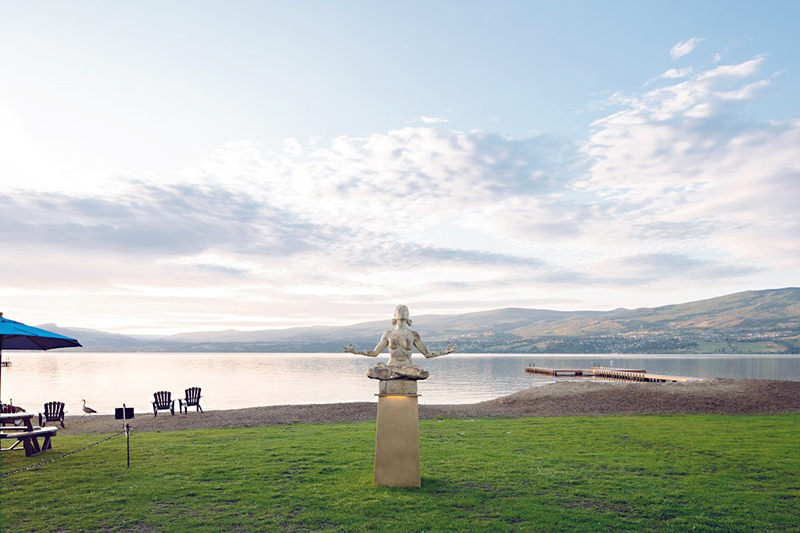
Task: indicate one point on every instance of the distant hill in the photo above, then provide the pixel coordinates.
(765, 321)
(499, 321)
(751, 312)
(94, 339)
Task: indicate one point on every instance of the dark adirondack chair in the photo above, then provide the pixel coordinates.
(192, 398)
(163, 402)
(53, 412)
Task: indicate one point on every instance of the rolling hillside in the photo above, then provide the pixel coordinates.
(745, 322)
(751, 312)
(766, 321)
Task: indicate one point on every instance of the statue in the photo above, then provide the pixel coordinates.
(400, 341)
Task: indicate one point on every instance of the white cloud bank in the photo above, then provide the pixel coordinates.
(672, 196)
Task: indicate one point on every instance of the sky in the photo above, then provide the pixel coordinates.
(205, 165)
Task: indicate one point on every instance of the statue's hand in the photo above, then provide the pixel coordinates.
(451, 348)
(349, 348)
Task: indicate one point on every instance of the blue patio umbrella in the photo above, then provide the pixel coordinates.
(18, 336)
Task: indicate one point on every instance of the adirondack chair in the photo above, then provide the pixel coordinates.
(192, 398)
(163, 401)
(53, 412)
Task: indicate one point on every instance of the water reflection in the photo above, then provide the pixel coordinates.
(245, 380)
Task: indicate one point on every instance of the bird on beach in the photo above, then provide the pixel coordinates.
(87, 410)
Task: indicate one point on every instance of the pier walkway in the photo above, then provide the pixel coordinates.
(624, 374)
(627, 375)
(557, 371)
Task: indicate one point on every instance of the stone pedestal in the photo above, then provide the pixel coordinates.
(397, 437)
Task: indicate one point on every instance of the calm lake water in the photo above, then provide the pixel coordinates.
(231, 381)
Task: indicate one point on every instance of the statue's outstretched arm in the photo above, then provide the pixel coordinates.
(428, 354)
(382, 344)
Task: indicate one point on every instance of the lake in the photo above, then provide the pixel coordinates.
(236, 380)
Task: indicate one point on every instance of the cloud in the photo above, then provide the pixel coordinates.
(691, 177)
(682, 122)
(292, 148)
(684, 48)
(645, 267)
(158, 220)
(675, 73)
(337, 220)
(676, 187)
(411, 178)
(476, 258)
(434, 120)
(243, 198)
(741, 70)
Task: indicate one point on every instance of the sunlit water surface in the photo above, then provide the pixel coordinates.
(236, 380)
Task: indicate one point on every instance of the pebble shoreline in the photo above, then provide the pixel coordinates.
(568, 398)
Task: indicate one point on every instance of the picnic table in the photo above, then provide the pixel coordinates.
(25, 433)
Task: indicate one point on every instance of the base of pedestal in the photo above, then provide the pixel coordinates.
(397, 441)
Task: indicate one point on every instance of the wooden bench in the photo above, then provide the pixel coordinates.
(30, 440)
(18, 429)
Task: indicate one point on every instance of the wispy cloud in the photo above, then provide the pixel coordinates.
(675, 73)
(689, 174)
(684, 48)
(434, 120)
(650, 267)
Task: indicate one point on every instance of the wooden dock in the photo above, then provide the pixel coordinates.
(623, 374)
(639, 375)
(558, 371)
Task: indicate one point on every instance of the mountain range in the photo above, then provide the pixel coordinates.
(764, 321)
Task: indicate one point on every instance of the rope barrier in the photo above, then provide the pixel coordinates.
(30, 467)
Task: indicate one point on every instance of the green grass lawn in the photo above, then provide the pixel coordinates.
(626, 473)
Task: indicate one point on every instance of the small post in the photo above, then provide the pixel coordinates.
(127, 428)
(125, 414)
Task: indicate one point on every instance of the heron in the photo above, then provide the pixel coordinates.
(87, 410)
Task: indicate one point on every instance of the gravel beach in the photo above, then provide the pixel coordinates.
(567, 398)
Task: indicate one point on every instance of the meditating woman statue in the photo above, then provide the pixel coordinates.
(400, 340)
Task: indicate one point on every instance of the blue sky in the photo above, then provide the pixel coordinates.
(179, 166)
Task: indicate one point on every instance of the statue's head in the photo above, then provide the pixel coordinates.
(401, 313)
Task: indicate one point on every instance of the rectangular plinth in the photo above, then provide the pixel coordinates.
(398, 386)
(397, 442)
